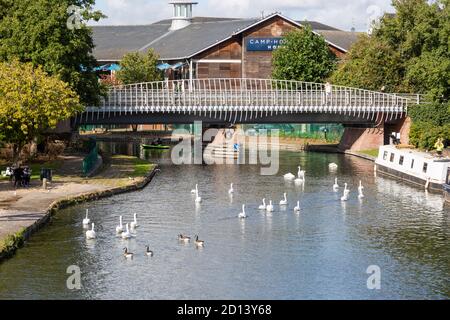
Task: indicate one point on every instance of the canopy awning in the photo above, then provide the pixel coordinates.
(163, 66)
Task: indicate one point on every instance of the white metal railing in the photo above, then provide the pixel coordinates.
(253, 98)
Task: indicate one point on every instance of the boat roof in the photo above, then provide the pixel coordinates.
(415, 152)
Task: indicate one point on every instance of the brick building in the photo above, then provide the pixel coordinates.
(203, 47)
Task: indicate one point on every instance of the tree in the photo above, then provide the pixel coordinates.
(36, 31)
(138, 67)
(304, 56)
(31, 103)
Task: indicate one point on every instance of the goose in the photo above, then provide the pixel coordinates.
(231, 189)
(335, 185)
(194, 191)
(297, 208)
(242, 215)
(126, 235)
(90, 234)
(148, 252)
(333, 166)
(269, 207)
(197, 198)
(284, 202)
(360, 190)
(184, 238)
(199, 243)
(126, 254)
(134, 223)
(289, 176)
(346, 193)
(263, 206)
(119, 228)
(86, 220)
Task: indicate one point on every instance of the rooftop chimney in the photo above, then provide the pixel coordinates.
(182, 14)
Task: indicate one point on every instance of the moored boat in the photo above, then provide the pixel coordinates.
(155, 146)
(413, 166)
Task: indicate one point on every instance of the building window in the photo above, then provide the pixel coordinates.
(385, 155)
(400, 162)
(392, 157)
(412, 164)
(425, 167)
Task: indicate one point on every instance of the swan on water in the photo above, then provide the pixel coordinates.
(301, 173)
(231, 190)
(335, 185)
(86, 220)
(284, 201)
(134, 223)
(242, 215)
(346, 193)
(269, 207)
(263, 206)
(148, 252)
(90, 234)
(126, 234)
(198, 199)
(194, 191)
(297, 208)
(360, 190)
(119, 228)
(289, 176)
(184, 238)
(199, 243)
(333, 166)
(127, 254)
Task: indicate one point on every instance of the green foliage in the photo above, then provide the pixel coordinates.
(31, 102)
(36, 31)
(305, 56)
(137, 67)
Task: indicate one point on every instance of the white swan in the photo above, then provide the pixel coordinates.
(231, 190)
(242, 215)
(134, 223)
(90, 234)
(346, 193)
(360, 190)
(119, 228)
(332, 166)
(289, 176)
(126, 234)
(86, 220)
(198, 199)
(284, 201)
(335, 185)
(301, 173)
(263, 206)
(269, 207)
(194, 191)
(297, 208)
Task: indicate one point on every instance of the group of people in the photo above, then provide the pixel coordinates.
(21, 176)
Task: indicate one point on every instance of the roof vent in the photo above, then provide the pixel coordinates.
(182, 14)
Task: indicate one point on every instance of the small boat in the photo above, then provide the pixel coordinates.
(155, 146)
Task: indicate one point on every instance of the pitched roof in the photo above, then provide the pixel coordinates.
(112, 42)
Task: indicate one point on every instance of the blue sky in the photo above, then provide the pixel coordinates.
(338, 13)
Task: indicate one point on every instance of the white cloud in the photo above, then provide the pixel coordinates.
(338, 13)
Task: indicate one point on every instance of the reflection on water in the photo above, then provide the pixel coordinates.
(323, 252)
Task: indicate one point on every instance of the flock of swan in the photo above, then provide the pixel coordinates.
(127, 232)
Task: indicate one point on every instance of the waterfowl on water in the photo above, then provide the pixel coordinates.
(346, 193)
(289, 176)
(198, 242)
(148, 252)
(134, 223)
(269, 207)
(263, 206)
(360, 190)
(231, 190)
(297, 208)
(119, 228)
(333, 166)
(198, 199)
(86, 220)
(126, 254)
(126, 235)
(284, 201)
(90, 234)
(194, 191)
(335, 185)
(242, 215)
(184, 238)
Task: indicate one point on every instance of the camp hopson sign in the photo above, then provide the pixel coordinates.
(264, 44)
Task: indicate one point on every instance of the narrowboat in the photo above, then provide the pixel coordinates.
(413, 166)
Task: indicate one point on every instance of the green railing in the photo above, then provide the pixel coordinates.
(90, 161)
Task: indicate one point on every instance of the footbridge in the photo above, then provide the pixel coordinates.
(234, 101)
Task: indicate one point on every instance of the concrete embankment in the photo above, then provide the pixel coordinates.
(25, 211)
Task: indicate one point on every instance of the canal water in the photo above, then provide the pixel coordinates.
(322, 253)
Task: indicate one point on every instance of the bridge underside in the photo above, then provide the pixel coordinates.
(362, 120)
